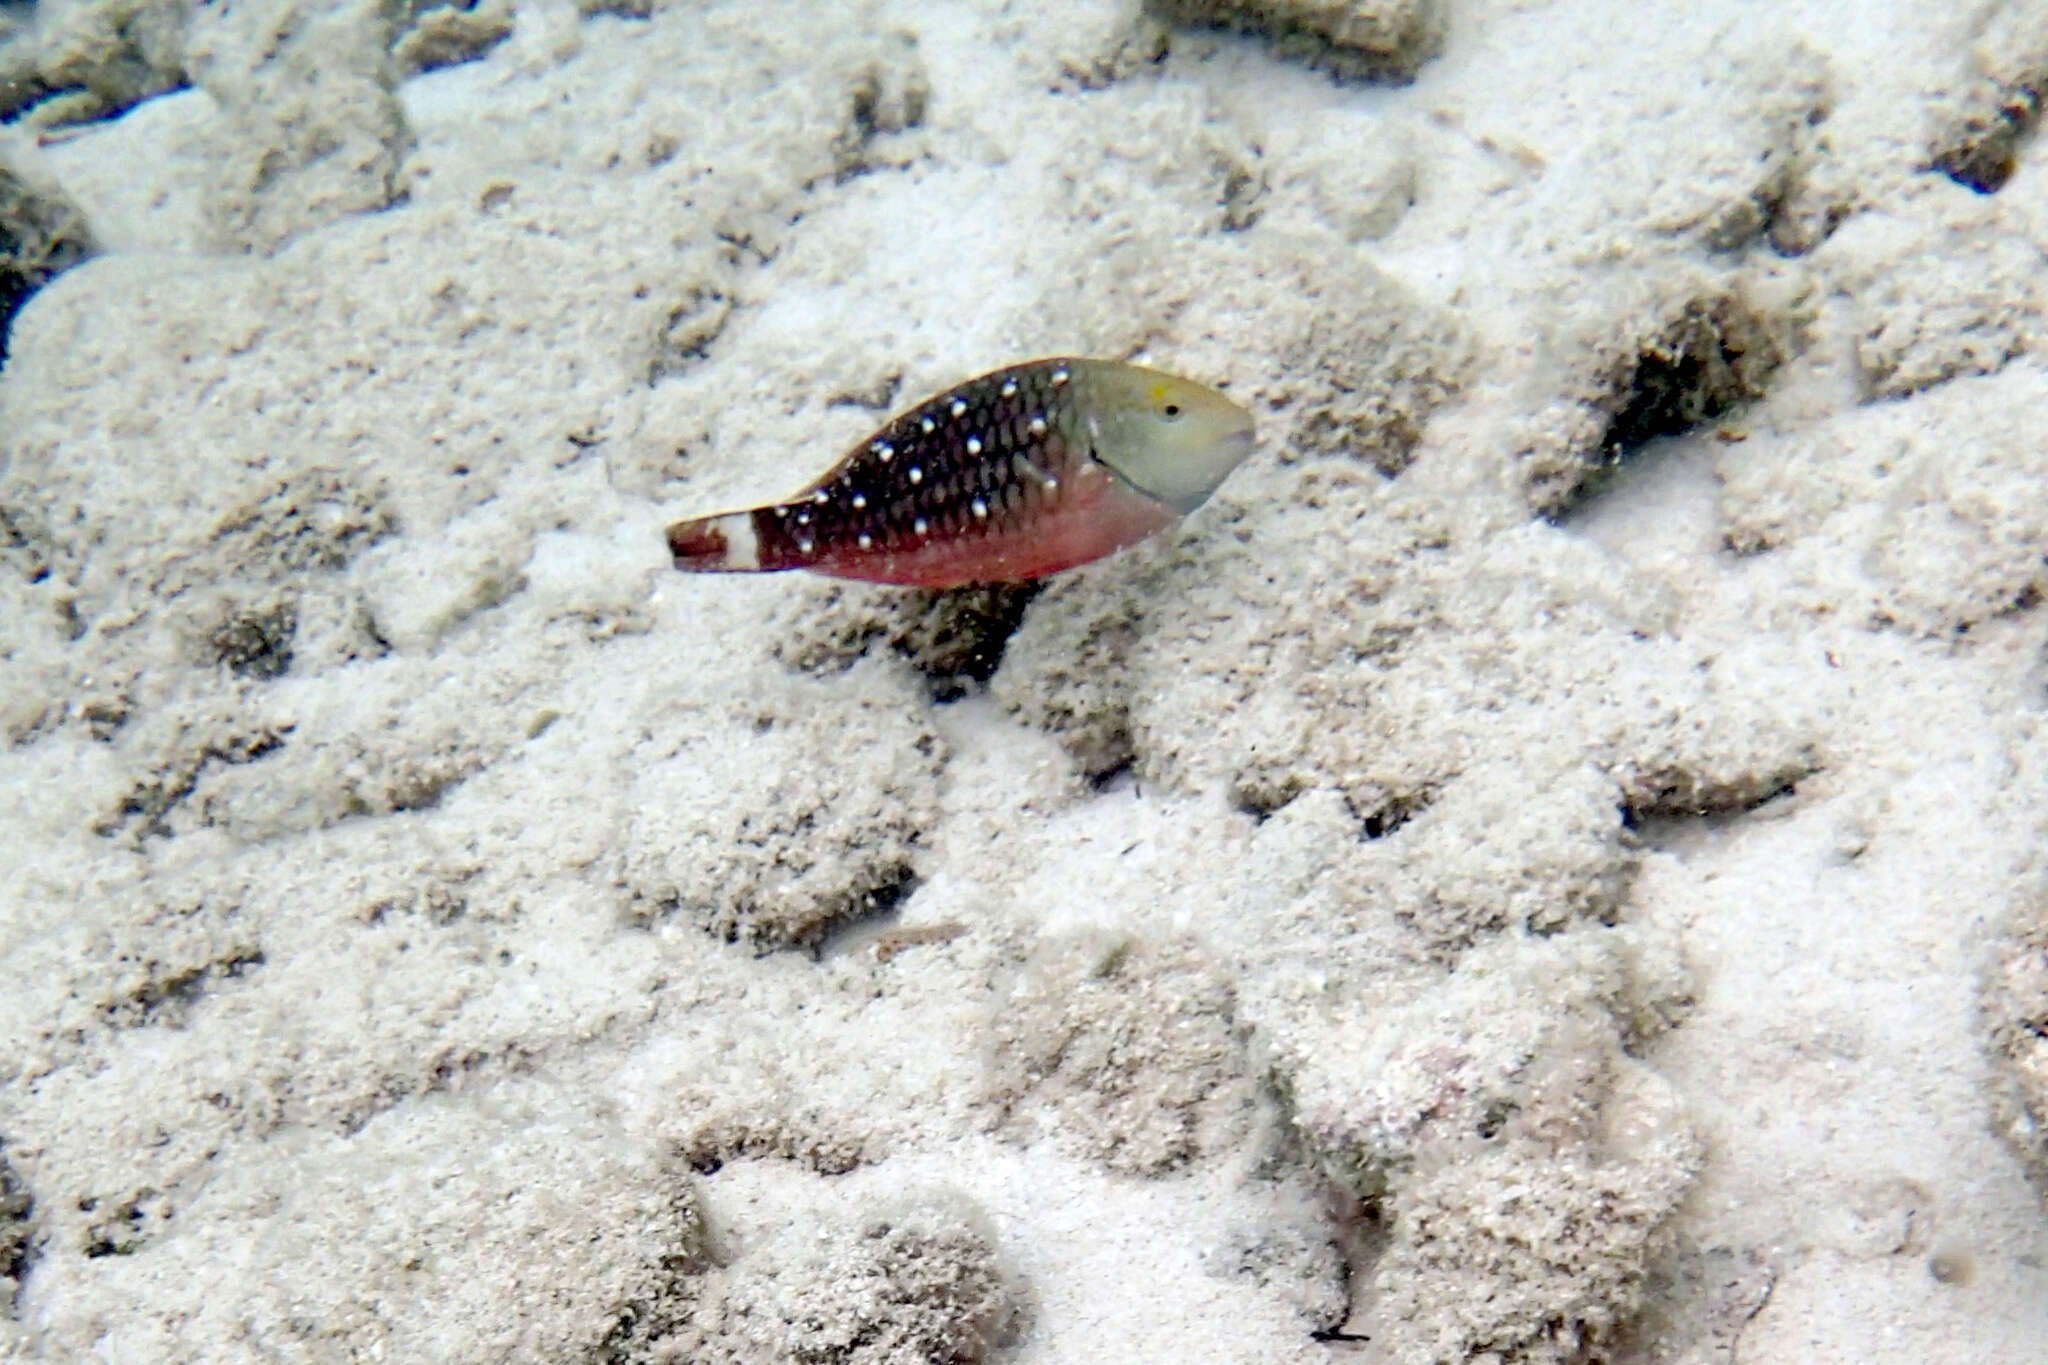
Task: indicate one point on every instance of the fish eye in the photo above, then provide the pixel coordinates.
(1171, 411)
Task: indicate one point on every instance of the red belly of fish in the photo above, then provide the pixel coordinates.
(1100, 517)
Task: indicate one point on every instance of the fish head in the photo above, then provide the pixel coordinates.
(1169, 438)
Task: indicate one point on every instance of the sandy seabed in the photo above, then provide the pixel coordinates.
(1543, 867)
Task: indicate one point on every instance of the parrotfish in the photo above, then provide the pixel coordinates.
(1019, 473)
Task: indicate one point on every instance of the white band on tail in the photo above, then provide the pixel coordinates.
(742, 546)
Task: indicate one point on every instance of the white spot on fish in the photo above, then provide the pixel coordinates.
(927, 425)
(1038, 425)
(959, 409)
(916, 474)
(805, 544)
(803, 518)
(821, 496)
(974, 445)
(1052, 485)
(920, 526)
(885, 450)
(781, 512)
(860, 500)
(866, 541)
(1009, 388)
(1059, 376)
(980, 510)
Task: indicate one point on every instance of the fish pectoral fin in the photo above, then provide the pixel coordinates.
(1134, 486)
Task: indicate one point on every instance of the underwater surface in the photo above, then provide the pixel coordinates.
(1531, 858)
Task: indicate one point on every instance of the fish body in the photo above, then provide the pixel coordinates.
(1019, 473)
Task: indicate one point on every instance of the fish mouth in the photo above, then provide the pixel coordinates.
(1235, 449)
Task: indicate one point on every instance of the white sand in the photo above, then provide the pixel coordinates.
(434, 930)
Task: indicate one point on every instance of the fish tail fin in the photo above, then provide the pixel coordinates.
(724, 542)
